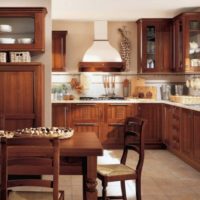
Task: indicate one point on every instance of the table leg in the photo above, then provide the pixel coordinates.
(89, 178)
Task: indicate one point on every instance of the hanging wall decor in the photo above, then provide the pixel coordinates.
(125, 47)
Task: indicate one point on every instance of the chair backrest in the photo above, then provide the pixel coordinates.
(29, 156)
(134, 140)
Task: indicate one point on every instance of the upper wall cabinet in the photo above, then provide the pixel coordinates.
(58, 50)
(186, 34)
(22, 28)
(154, 45)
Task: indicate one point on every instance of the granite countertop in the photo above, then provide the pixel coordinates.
(133, 100)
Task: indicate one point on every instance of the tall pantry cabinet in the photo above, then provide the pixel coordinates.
(21, 88)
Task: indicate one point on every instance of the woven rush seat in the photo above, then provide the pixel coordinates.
(114, 170)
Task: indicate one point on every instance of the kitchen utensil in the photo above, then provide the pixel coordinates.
(134, 83)
(165, 92)
(179, 89)
(126, 84)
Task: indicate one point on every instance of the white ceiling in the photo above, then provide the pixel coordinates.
(128, 10)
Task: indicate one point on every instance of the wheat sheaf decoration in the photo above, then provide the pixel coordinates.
(125, 47)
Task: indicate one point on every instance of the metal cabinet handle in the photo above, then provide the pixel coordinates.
(65, 115)
(85, 124)
(116, 124)
(86, 104)
(116, 104)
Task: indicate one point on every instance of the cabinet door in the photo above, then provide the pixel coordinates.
(86, 127)
(59, 50)
(192, 42)
(117, 113)
(61, 115)
(187, 140)
(25, 23)
(197, 137)
(166, 112)
(175, 125)
(154, 43)
(115, 135)
(22, 98)
(86, 112)
(112, 129)
(153, 128)
(178, 61)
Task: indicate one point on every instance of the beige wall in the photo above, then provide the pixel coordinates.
(44, 58)
(80, 37)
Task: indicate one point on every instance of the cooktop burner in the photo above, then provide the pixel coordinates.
(101, 98)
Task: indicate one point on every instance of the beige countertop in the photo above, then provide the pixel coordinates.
(126, 101)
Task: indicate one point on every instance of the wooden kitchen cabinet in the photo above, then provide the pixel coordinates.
(175, 129)
(21, 99)
(153, 128)
(26, 22)
(87, 116)
(112, 135)
(187, 133)
(59, 50)
(186, 34)
(166, 125)
(154, 45)
(197, 138)
(61, 115)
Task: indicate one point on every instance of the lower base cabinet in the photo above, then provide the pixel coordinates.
(166, 125)
(61, 115)
(196, 122)
(152, 113)
(181, 133)
(187, 133)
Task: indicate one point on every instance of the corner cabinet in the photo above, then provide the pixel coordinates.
(59, 50)
(21, 99)
(24, 23)
(186, 50)
(154, 45)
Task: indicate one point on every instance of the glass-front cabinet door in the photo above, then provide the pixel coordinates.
(149, 46)
(178, 45)
(22, 29)
(154, 43)
(150, 61)
(192, 58)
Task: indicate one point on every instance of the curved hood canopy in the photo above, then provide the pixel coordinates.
(101, 56)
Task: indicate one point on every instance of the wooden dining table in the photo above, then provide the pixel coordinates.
(78, 156)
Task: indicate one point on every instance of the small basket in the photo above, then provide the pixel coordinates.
(3, 58)
(20, 56)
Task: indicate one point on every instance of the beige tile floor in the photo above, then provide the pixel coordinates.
(165, 177)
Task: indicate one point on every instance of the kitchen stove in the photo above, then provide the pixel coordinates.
(101, 98)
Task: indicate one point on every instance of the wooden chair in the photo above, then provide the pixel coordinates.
(134, 140)
(30, 156)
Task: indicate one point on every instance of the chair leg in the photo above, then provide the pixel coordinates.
(138, 188)
(123, 188)
(104, 192)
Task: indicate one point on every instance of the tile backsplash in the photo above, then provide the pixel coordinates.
(94, 83)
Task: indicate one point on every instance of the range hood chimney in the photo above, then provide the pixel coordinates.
(101, 56)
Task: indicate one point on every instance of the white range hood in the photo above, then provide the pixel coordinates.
(101, 55)
(101, 50)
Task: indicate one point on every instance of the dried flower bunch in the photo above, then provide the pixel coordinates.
(125, 47)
